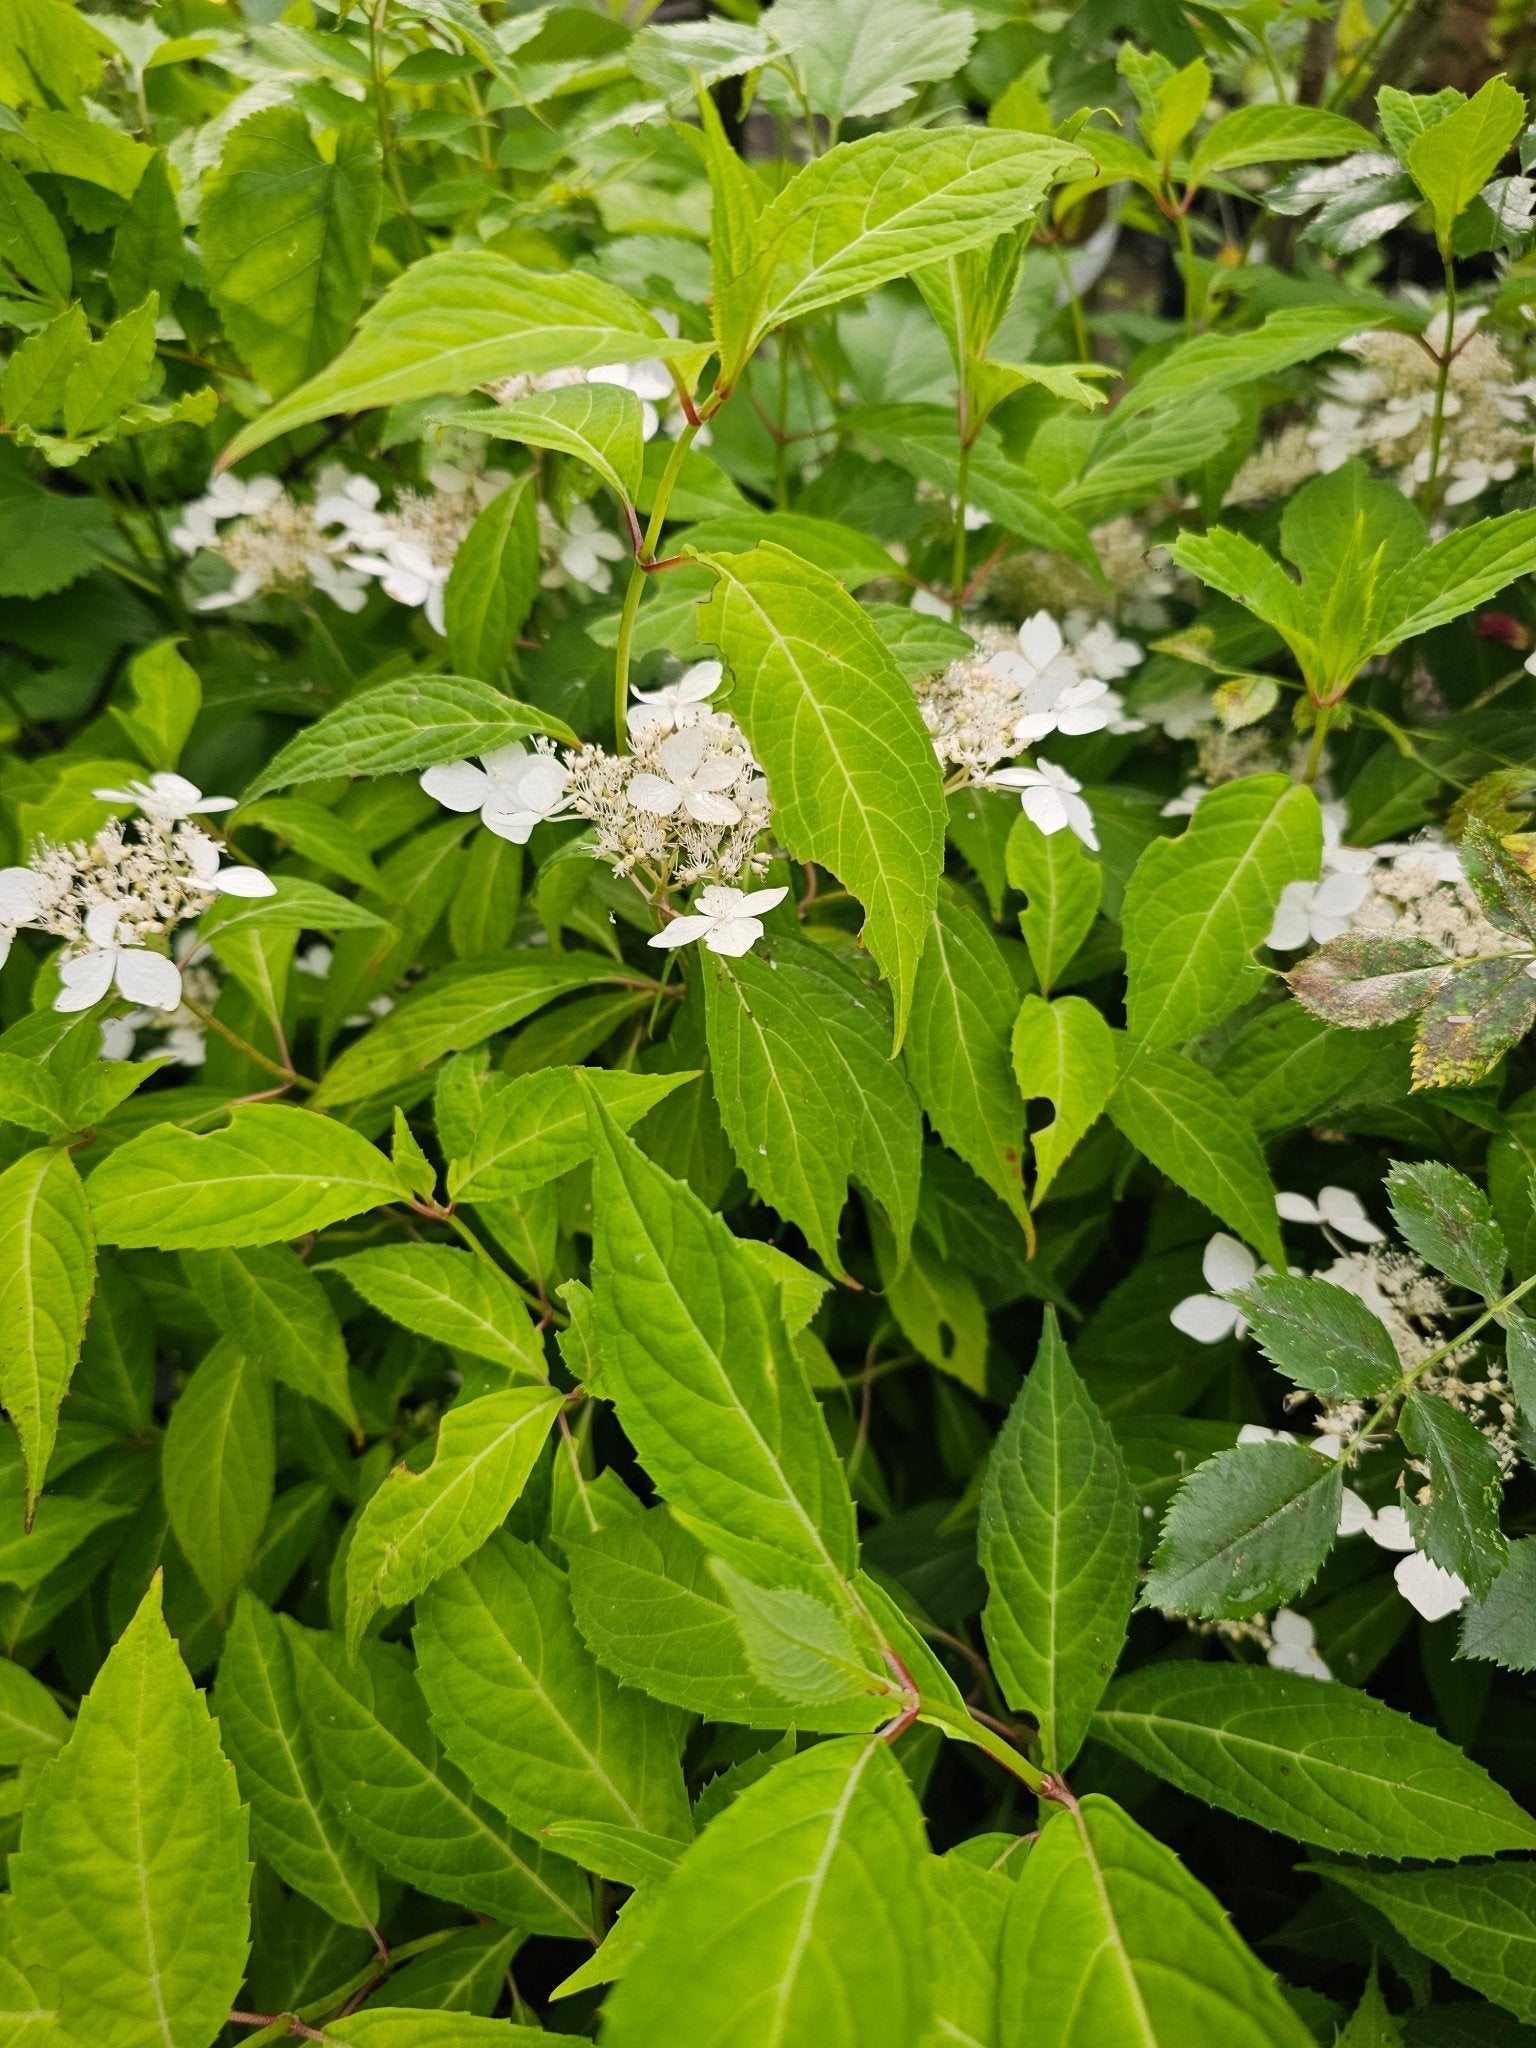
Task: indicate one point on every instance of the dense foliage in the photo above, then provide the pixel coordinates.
(768, 920)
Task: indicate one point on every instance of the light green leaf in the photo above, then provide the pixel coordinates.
(164, 698)
(803, 1650)
(1128, 461)
(455, 1009)
(387, 2027)
(1059, 1543)
(1478, 1922)
(1247, 1530)
(218, 1467)
(1274, 135)
(1453, 159)
(535, 1127)
(464, 317)
(47, 1273)
(858, 61)
(32, 1723)
(132, 1876)
(453, 1297)
(1501, 1629)
(963, 1006)
(1319, 1762)
(1176, 104)
(1189, 1126)
(149, 250)
(293, 1824)
(1109, 1939)
(270, 1302)
(799, 1055)
(287, 238)
(707, 1384)
(271, 1173)
(111, 372)
(493, 582)
(1321, 1336)
(599, 424)
(1456, 575)
(852, 557)
(1197, 906)
(32, 386)
(837, 730)
(522, 1706)
(417, 722)
(316, 832)
(412, 1811)
(797, 1916)
(1063, 884)
(421, 1524)
(1218, 362)
(30, 240)
(1064, 1051)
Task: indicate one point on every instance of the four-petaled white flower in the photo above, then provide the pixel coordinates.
(202, 855)
(1312, 913)
(678, 703)
(140, 975)
(582, 550)
(166, 798)
(1293, 1646)
(1336, 1209)
(693, 781)
(1427, 1587)
(1055, 693)
(512, 789)
(728, 921)
(408, 574)
(1050, 799)
(1228, 1267)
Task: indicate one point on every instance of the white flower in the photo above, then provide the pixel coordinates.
(1312, 913)
(677, 703)
(1337, 1209)
(692, 780)
(1055, 694)
(1425, 1586)
(202, 855)
(1294, 1646)
(408, 574)
(1050, 799)
(650, 381)
(141, 976)
(1185, 804)
(165, 798)
(1099, 649)
(227, 497)
(352, 503)
(1228, 1267)
(727, 920)
(1256, 1433)
(1471, 477)
(512, 789)
(22, 898)
(930, 604)
(582, 550)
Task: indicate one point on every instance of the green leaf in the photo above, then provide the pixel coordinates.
(1063, 884)
(271, 1173)
(416, 722)
(1453, 159)
(526, 1711)
(111, 372)
(1274, 135)
(165, 697)
(46, 541)
(709, 1389)
(287, 237)
(314, 831)
(293, 1825)
(386, 2027)
(535, 1127)
(937, 1306)
(149, 250)
(30, 240)
(133, 1871)
(1459, 1524)
(1059, 1543)
(599, 424)
(1448, 1222)
(797, 1916)
(453, 1297)
(870, 211)
(270, 1302)
(1197, 906)
(421, 1524)
(1109, 1939)
(1321, 1763)
(493, 582)
(1218, 362)
(651, 1610)
(47, 1273)
(798, 1049)
(460, 318)
(413, 1812)
(852, 557)
(1065, 1052)
(219, 1462)
(837, 730)
(1456, 575)
(1321, 1336)
(1189, 1126)
(857, 62)
(1478, 1922)
(32, 387)
(1501, 1628)
(1247, 1530)
(32, 1723)
(804, 1651)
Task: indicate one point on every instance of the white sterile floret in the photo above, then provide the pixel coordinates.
(166, 798)
(1293, 1646)
(205, 871)
(1228, 1267)
(1336, 1209)
(1428, 1587)
(579, 551)
(227, 497)
(1050, 799)
(511, 788)
(1315, 912)
(23, 897)
(673, 705)
(650, 381)
(691, 778)
(108, 959)
(727, 921)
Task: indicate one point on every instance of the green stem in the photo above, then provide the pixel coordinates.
(243, 1045)
(1442, 381)
(1349, 87)
(1405, 1385)
(387, 149)
(461, 1229)
(1080, 340)
(637, 576)
(957, 570)
(1187, 251)
(1319, 735)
